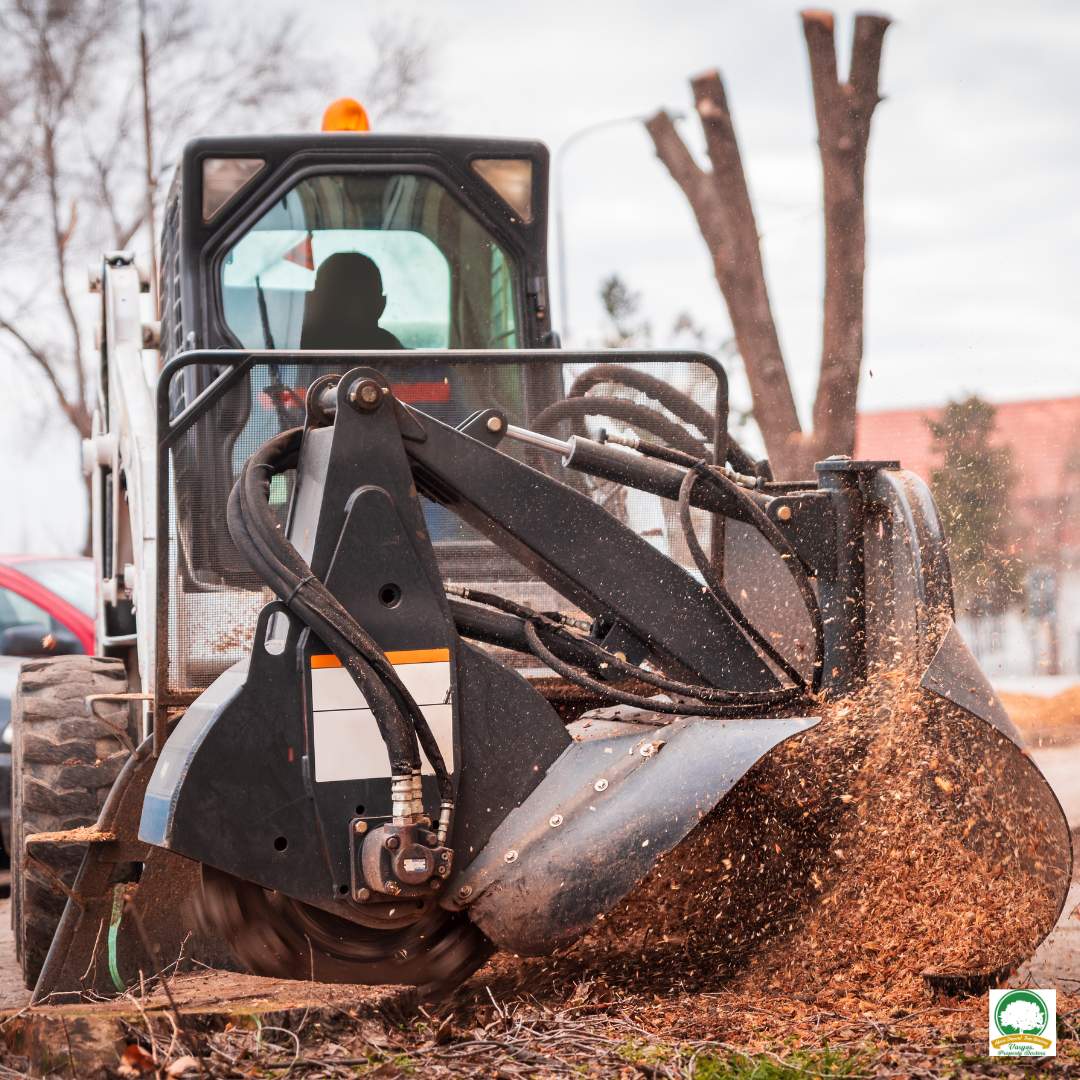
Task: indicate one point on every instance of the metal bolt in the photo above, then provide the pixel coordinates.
(464, 892)
(391, 887)
(363, 894)
(600, 785)
(360, 827)
(365, 394)
(784, 512)
(494, 424)
(393, 843)
(510, 856)
(555, 820)
(443, 870)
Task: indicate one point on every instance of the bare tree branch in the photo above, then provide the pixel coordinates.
(73, 171)
(686, 172)
(395, 88)
(865, 64)
(76, 412)
(61, 238)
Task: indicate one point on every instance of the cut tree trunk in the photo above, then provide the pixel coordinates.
(720, 200)
(843, 113)
(721, 203)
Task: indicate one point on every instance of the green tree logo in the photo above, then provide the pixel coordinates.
(1021, 1013)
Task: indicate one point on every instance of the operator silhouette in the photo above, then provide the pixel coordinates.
(344, 308)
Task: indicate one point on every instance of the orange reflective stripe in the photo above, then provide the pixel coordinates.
(418, 656)
(403, 656)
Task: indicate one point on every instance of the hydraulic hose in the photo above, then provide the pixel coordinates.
(258, 537)
(697, 707)
(705, 697)
(630, 412)
(744, 508)
(675, 401)
(751, 514)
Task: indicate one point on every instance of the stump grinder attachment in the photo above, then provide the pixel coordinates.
(376, 795)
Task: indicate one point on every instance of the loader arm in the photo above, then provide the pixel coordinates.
(566, 539)
(118, 457)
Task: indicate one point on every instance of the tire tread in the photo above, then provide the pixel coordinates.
(64, 762)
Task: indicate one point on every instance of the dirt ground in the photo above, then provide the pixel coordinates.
(12, 994)
(515, 1018)
(575, 1015)
(630, 1000)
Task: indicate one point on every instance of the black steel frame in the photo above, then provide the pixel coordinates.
(238, 364)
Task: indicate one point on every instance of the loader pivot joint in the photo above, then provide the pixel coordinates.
(400, 860)
(365, 395)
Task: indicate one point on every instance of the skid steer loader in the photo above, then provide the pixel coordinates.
(372, 551)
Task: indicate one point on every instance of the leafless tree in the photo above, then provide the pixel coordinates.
(720, 199)
(397, 89)
(73, 164)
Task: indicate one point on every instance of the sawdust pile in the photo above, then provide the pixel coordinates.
(899, 836)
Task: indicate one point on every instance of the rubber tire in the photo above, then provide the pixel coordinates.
(63, 763)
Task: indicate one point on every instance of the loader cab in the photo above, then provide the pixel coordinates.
(287, 257)
(316, 244)
(293, 242)
(345, 242)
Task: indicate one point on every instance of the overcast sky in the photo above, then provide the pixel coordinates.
(974, 244)
(974, 228)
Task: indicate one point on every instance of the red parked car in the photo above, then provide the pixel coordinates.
(46, 609)
(51, 595)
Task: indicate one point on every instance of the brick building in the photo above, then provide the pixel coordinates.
(1042, 636)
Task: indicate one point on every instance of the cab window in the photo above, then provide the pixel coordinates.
(360, 261)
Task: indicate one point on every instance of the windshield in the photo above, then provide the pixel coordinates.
(71, 579)
(355, 261)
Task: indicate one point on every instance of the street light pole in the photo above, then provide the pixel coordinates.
(560, 217)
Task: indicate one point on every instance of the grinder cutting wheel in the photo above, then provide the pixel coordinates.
(394, 596)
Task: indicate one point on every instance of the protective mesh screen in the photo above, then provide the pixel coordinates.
(214, 599)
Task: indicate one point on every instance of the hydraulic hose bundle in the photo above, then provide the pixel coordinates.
(545, 635)
(532, 627)
(703, 700)
(258, 537)
(579, 403)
